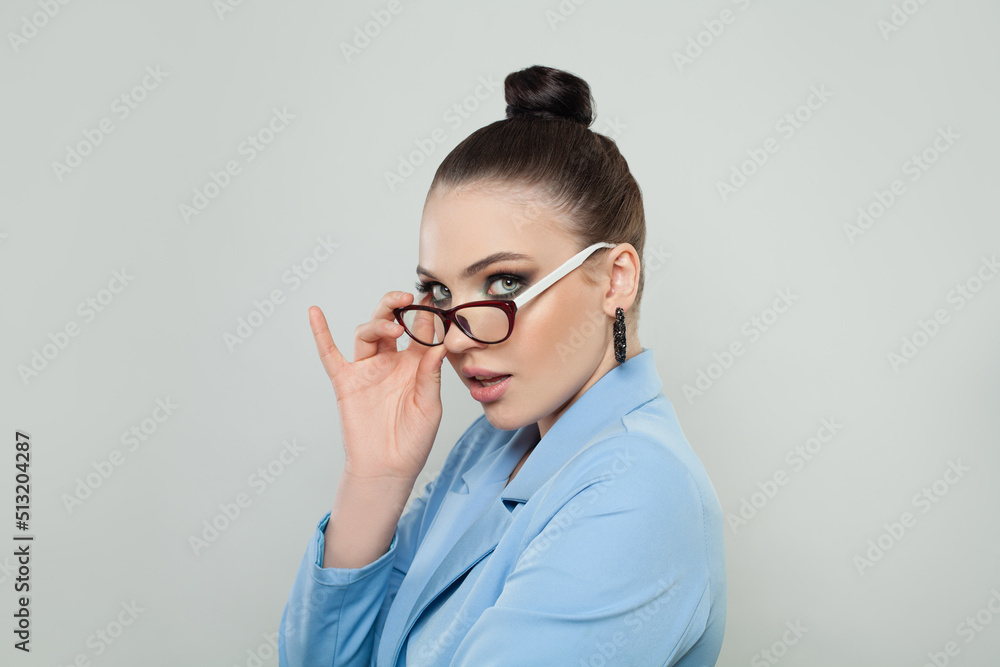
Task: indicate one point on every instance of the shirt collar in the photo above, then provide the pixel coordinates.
(618, 392)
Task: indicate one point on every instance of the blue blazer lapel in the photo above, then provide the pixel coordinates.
(475, 544)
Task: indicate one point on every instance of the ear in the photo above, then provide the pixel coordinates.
(623, 276)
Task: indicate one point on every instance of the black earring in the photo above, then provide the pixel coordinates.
(619, 331)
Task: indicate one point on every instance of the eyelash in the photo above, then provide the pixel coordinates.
(425, 287)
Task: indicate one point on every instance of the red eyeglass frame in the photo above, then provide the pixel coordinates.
(509, 307)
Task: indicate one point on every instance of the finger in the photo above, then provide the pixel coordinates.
(375, 337)
(331, 357)
(428, 385)
(389, 301)
(423, 325)
(379, 335)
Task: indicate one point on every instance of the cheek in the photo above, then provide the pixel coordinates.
(553, 338)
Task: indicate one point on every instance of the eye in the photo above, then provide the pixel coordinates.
(509, 284)
(432, 288)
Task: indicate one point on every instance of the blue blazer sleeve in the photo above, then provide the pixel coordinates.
(334, 615)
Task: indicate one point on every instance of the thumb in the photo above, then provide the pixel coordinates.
(429, 372)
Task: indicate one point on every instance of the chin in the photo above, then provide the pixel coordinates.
(502, 419)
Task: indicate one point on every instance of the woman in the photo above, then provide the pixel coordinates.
(571, 524)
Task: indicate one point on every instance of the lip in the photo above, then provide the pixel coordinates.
(472, 371)
(485, 394)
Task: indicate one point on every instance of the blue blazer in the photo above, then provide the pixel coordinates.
(605, 549)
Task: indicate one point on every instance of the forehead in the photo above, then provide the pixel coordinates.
(462, 226)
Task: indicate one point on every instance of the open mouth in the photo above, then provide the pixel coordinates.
(489, 388)
(489, 382)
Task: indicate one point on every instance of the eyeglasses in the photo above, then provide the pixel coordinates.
(483, 321)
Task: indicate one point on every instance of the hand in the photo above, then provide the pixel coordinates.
(389, 400)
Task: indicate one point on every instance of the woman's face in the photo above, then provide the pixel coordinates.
(561, 342)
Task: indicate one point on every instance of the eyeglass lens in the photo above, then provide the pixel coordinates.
(486, 323)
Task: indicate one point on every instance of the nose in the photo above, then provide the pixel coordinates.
(456, 341)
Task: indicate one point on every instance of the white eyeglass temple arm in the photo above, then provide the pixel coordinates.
(567, 266)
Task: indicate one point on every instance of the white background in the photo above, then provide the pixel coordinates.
(683, 127)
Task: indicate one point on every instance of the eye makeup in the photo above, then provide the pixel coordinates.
(425, 287)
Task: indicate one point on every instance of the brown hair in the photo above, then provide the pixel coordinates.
(545, 144)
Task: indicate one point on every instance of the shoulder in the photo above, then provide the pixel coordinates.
(643, 468)
(647, 445)
(634, 469)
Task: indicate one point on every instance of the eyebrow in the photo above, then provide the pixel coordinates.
(476, 267)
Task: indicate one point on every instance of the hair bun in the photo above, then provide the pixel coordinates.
(544, 92)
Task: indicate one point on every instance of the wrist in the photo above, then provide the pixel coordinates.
(379, 478)
(379, 490)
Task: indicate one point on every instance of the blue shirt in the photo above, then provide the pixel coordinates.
(605, 549)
